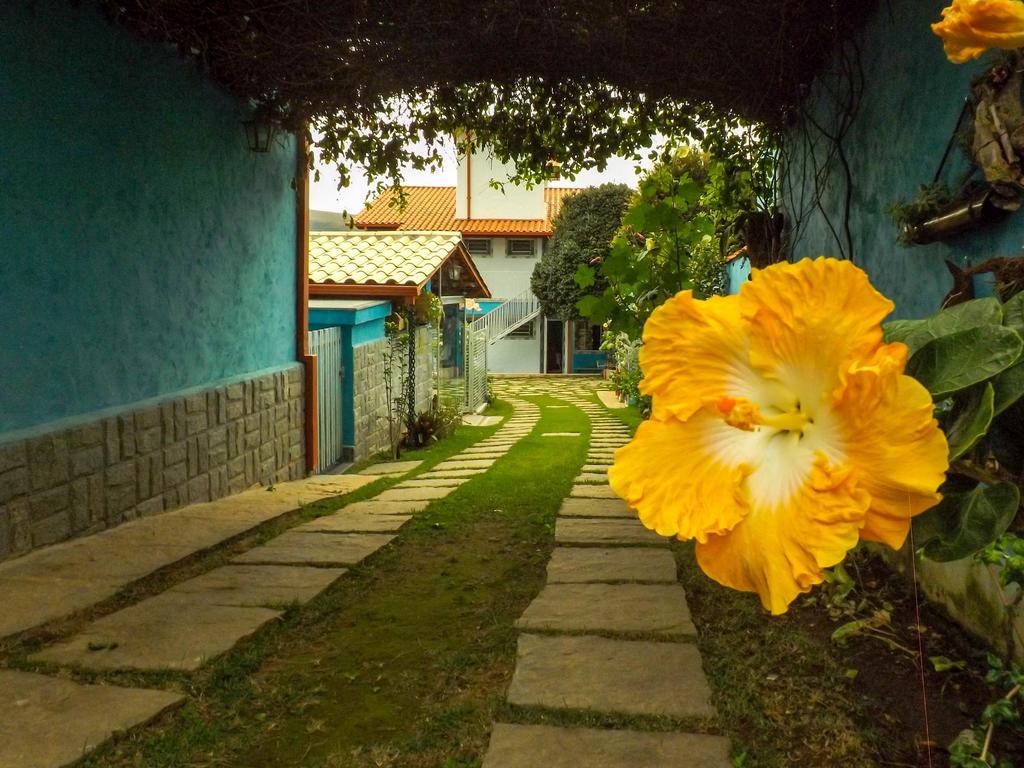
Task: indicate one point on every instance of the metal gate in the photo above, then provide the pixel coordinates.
(326, 345)
(476, 367)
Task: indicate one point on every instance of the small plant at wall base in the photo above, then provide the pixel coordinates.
(431, 426)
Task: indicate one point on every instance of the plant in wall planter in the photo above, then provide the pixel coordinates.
(990, 132)
(933, 214)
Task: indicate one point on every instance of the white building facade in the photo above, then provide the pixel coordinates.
(505, 230)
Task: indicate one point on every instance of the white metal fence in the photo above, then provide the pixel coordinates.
(476, 367)
(326, 345)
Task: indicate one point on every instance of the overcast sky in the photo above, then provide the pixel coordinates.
(325, 196)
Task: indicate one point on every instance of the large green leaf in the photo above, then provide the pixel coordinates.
(1013, 313)
(972, 422)
(960, 360)
(960, 317)
(964, 523)
(585, 276)
(901, 330)
(1009, 386)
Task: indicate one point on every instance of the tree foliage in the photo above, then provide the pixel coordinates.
(678, 229)
(581, 236)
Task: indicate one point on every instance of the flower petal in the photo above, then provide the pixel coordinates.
(685, 479)
(694, 352)
(895, 444)
(970, 27)
(808, 320)
(780, 551)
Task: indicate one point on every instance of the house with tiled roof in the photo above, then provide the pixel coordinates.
(504, 229)
(357, 280)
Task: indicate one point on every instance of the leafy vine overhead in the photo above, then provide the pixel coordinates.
(575, 81)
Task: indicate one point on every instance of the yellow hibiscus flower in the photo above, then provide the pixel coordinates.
(783, 429)
(970, 27)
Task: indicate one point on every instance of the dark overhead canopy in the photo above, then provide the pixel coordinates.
(310, 59)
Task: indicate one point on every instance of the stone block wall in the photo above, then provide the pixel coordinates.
(199, 447)
(370, 405)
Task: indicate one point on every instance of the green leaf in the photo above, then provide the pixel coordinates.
(585, 276)
(901, 330)
(588, 305)
(960, 317)
(945, 664)
(1009, 385)
(954, 362)
(964, 523)
(1013, 313)
(972, 422)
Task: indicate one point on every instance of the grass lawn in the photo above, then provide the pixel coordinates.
(405, 660)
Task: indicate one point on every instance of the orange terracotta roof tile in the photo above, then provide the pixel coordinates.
(433, 209)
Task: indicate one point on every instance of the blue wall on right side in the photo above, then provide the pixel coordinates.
(911, 102)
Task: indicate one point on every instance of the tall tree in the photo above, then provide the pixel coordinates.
(583, 232)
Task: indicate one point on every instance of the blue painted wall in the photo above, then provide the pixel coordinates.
(912, 98)
(358, 327)
(738, 271)
(143, 248)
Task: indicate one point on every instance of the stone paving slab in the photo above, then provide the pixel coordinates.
(609, 399)
(337, 483)
(377, 507)
(592, 478)
(413, 494)
(346, 521)
(657, 609)
(300, 548)
(451, 473)
(636, 677)
(570, 530)
(529, 746)
(600, 461)
(48, 722)
(431, 482)
(578, 565)
(603, 468)
(163, 632)
(59, 580)
(259, 585)
(593, 492)
(465, 464)
(476, 420)
(391, 468)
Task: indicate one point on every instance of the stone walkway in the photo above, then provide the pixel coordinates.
(610, 633)
(201, 618)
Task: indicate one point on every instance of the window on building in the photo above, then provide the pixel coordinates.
(478, 246)
(527, 330)
(588, 337)
(522, 247)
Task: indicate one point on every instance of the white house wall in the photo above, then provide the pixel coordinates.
(510, 202)
(507, 276)
(515, 355)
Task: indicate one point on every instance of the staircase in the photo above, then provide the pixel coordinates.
(500, 322)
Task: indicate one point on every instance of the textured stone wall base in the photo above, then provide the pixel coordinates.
(200, 447)
(370, 394)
